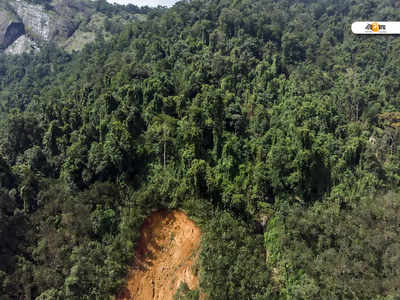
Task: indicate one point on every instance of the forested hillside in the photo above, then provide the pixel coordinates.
(268, 122)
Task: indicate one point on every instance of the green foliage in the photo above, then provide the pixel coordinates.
(253, 116)
(184, 293)
(232, 261)
(329, 252)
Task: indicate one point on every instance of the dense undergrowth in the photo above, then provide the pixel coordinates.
(242, 113)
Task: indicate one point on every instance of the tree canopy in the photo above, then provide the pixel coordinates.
(268, 122)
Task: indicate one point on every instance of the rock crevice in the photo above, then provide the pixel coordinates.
(13, 32)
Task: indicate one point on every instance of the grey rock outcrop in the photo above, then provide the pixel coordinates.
(70, 24)
(23, 26)
(11, 27)
(13, 32)
(36, 20)
(21, 45)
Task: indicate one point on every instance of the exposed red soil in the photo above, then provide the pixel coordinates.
(165, 257)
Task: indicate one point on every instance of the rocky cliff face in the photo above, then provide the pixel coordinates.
(13, 32)
(11, 26)
(21, 45)
(69, 23)
(36, 20)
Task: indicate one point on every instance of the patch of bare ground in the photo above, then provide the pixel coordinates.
(165, 257)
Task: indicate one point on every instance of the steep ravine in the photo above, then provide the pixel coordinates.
(165, 258)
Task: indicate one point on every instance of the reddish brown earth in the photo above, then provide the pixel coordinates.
(165, 257)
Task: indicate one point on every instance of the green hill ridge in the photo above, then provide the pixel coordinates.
(269, 123)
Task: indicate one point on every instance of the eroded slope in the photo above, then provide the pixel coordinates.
(165, 257)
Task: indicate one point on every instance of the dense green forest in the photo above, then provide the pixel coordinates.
(268, 122)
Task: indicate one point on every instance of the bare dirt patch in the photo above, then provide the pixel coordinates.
(165, 257)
